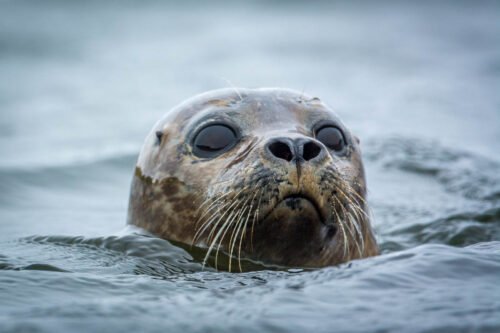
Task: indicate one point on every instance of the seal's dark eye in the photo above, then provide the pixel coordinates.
(331, 137)
(213, 140)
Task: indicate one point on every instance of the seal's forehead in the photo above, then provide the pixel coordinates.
(265, 107)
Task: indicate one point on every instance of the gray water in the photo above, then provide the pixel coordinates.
(82, 82)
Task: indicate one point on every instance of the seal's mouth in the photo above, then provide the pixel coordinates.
(292, 200)
(298, 204)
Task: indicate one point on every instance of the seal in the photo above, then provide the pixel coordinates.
(267, 174)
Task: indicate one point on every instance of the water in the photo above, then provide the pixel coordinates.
(82, 83)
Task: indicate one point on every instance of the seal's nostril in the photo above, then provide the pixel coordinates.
(281, 150)
(311, 150)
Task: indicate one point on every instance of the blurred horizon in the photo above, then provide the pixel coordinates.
(88, 79)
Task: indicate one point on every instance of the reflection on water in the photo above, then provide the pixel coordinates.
(83, 82)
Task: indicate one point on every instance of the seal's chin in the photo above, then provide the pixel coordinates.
(293, 233)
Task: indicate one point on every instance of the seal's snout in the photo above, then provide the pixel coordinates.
(294, 150)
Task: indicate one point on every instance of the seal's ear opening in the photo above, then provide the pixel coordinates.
(357, 139)
(159, 135)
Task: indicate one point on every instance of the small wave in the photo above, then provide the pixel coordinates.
(35, 267)
(147, 249)
(153, 256)
(461, 229)
(20, 183)
(470, 175)
(71, 158)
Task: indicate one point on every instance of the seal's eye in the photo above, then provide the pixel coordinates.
(213, 140)
(331, 137)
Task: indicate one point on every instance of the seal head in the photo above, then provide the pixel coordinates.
(267, 174)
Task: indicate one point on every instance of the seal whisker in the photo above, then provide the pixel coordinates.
(232, 240)
(214, 225)
(342, 228)
(368, 214)
(215, 205)
(244, 230)
(222, 182)
(360, 236)
(236, 230)
(350, 188)
(234, 203)
(242, 208)
(256, 214)
(209, 221)
(218, 233)
(211, 206)
(348, 216)
(234, 216)
(359, 206)
(210, 198)
(348, 225)
(233, 87)
(223, 229)
(351, 202)
(355, 218)
(353, 191)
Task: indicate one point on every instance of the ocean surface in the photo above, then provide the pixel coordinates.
(82, 83)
